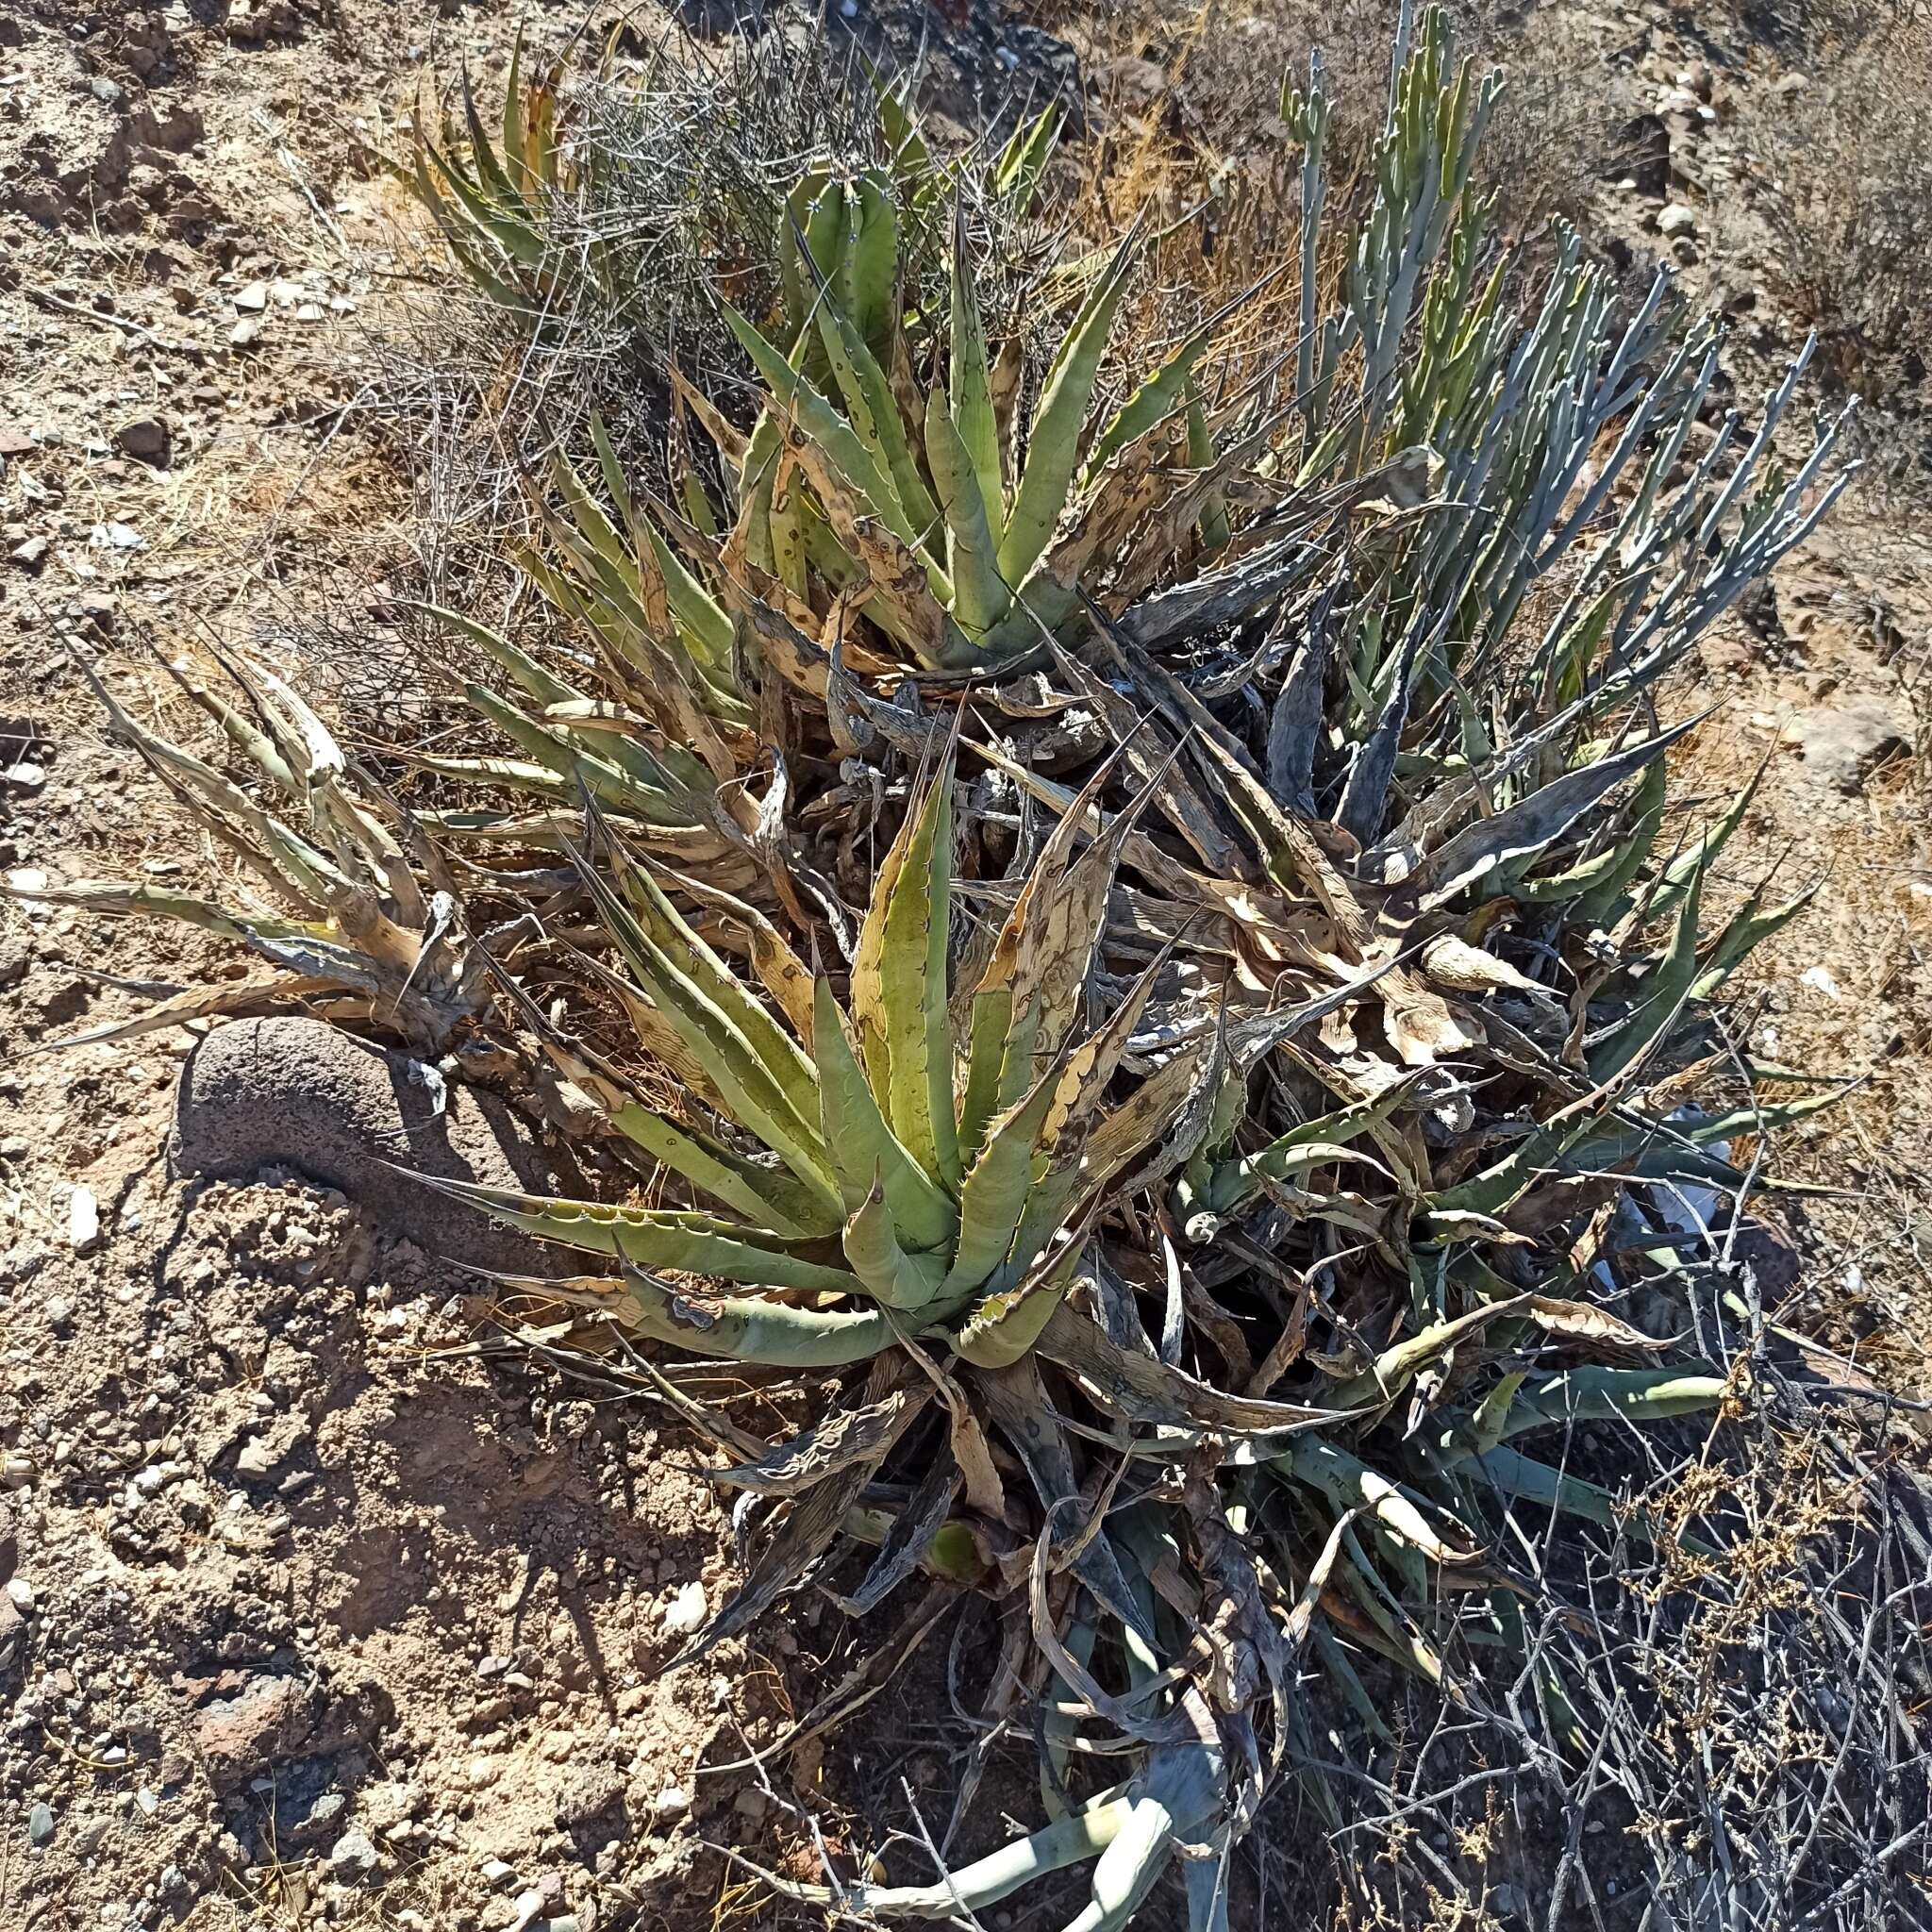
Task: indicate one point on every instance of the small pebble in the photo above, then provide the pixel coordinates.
(39, 1825)
(685, 1613)
(354, 1856)
(22, 1591)
(671, 1801)
(83, 1221)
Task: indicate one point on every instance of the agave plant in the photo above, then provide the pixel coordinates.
(931, 1191)
(1385, 1211)
(923, 1161)
(498, 210)
(346, 900)
(1267, 1041)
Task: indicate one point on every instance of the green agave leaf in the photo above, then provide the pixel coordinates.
(899, 983)
(654, 1238)
(778, 1098)
(536, 678)
(989, 1030)
(993, 1196)
(1017, 171)
(969, 388)
(769, 1334)
(980, 599)
(1236, 1181)
(1081, 1835)
(1530, 1481)
(1747, 929)
(1351, 1484)
(891, 1274)
(1690, 865)
(870, 272)
(1670, 989)
(1599, 885)
(1053, 451)
(608, 783)
(702, 621)
(874, 414)
(1003, 1328)
(512, 234)
(1600, 1394)
(863, 1148)
(491, 179)
(768, 1200)
(784, 1061)
(1162, 393)
(1524, 829)
(833, 434)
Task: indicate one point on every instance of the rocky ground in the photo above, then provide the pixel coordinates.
(321, 1602)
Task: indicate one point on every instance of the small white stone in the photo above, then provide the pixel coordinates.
(684, 1615)
(1677, 220)
(1820, 979)
(22, 1591)
(83, 1221)
(673, 1801)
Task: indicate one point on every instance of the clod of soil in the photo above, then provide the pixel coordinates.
(296, 1094)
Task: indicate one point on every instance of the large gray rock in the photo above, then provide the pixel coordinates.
(295, 1093)
(1843, 742)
